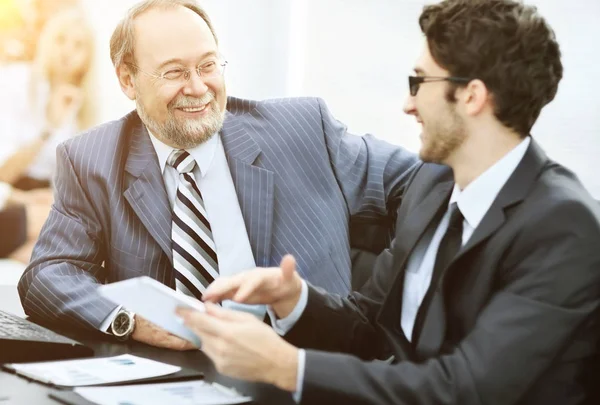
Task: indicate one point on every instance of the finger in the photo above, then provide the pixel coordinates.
(227, 315)
(247, 289)
(288, 267)
(191, 316)
(222, 288)
(184, 311)
(202, 322)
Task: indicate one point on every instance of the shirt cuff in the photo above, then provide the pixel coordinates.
(300, 376)
(108, 320)
(282, 326)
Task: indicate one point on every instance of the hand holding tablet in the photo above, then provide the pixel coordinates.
(154, 301)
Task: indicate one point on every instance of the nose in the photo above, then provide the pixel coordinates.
(409, 105)
(195, 86)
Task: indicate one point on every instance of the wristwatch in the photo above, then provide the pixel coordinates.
(123, 325)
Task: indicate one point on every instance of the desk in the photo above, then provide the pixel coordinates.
(21, 391)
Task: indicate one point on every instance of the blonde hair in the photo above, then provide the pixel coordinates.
(122, 41)
(42, 60)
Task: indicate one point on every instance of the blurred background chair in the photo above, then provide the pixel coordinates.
(13, 222)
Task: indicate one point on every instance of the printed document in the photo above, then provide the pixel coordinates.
(182, 393)
(77, 373)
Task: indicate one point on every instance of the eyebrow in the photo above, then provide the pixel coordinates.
(180, 61)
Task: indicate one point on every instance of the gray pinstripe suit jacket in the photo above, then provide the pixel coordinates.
(299, 178)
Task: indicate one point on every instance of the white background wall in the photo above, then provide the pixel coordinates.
(356, 54)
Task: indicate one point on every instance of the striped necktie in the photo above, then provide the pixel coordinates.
(194, 251)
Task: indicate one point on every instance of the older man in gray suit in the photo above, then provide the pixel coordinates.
(195, 185)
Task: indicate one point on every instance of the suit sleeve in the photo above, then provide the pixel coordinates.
(372, 175)
(332, 323)
(60, 283)
(548, 291)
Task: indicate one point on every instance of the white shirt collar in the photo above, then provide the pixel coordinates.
(203, 154)
(475, 200)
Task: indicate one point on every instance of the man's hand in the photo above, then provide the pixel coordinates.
(147, 332)
(243, 347)
(279, 287)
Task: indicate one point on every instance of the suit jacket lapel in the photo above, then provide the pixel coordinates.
(411, 227)
(253, 184)
(145, 190)
(514, 191)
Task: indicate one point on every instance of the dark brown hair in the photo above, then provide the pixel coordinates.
(505, 44)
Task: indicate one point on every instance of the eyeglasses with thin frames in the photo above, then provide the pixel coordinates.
(179, 75)
(415, 81)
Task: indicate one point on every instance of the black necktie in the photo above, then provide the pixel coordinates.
(449, 247)
(450, 244)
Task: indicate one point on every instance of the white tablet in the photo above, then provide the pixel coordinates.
(154, 301)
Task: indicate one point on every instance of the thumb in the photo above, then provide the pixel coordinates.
(288, 267)
(225, 314)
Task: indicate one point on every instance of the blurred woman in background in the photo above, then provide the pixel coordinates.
(45, 102)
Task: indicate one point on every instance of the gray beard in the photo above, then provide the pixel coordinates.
(184, 134)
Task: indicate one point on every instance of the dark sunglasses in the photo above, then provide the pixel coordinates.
(415, 81)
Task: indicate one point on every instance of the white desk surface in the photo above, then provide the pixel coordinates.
(10, 272)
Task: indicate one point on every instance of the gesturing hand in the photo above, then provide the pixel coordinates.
(279, 287)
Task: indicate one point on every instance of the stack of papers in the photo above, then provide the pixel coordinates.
(182, 393)
(107, 370)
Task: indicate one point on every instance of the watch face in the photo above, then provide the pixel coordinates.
(121, 324)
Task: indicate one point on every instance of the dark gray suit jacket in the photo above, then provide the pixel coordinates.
(299, 178)
(514, 318)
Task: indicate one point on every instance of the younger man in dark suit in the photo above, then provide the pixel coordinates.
(490, 292)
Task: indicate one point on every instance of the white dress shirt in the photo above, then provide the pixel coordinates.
(213, 178)
(473, 202)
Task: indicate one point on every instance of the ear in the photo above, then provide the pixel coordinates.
(126, 80)
(475, 97)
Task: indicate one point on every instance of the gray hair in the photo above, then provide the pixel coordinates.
(122, 40)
